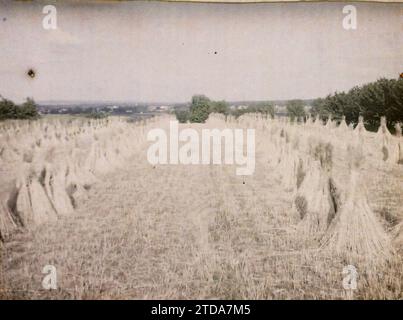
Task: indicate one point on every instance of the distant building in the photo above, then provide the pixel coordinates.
(152, 108)
(158, 108)
(238, 107)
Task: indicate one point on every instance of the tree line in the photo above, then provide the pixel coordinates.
(201, 107)
(10, 110)
(372, 101)
(383, 97)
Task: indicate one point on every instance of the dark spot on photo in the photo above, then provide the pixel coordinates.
(31, 73)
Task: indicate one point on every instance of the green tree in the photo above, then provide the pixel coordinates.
(265, 108)
(200, 108)
(182, 115)
(352, 109)
(219, 107)
(295, 109)
(28, 110)
(318, 108)
(383, 97)
(394, 113)
(8, 109)
(97, 115)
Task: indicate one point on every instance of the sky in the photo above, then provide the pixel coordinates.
(166, 52)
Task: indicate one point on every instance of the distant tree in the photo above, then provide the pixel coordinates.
(77, 110)
(352, 108)
(265, 108)
(373, 100)
(9, 110)
(182, 115)
(28, 110)
(382, 98)
(97, 115)
(199, 108)
(238, 112)
(219, 107)
(295, 109)
(394, 112)
(318, 108)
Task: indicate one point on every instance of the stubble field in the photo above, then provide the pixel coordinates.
(82, 196)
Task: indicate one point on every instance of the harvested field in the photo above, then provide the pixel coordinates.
(81, 195)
